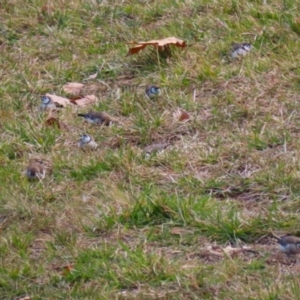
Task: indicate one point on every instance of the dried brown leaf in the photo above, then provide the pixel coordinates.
(160, 44)
(73, 98)
(67, 270)
(52, 122)
(89, 99)
(184, 116)
(73, 87)
(59, 100)
(181, 115)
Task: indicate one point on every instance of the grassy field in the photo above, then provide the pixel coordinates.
(193, 222)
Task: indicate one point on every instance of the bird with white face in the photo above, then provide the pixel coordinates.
(47, 104)
(97, 118)
(152, 91)
(87, 142)
(240, 49)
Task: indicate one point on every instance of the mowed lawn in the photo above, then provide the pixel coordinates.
(195, 221)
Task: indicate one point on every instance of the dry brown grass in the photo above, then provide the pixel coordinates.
(113, 224)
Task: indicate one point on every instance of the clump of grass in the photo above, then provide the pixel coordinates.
(115, 223)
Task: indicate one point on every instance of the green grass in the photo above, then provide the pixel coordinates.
(112, 224)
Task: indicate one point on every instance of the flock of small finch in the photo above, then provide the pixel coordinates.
(37, 169)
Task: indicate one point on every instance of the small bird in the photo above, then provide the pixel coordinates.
(87, 142)
(152, 91)
(37, 169)
(99, 118)
(47, 103)
(155, 148)
(290, 245)
(240, 49)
